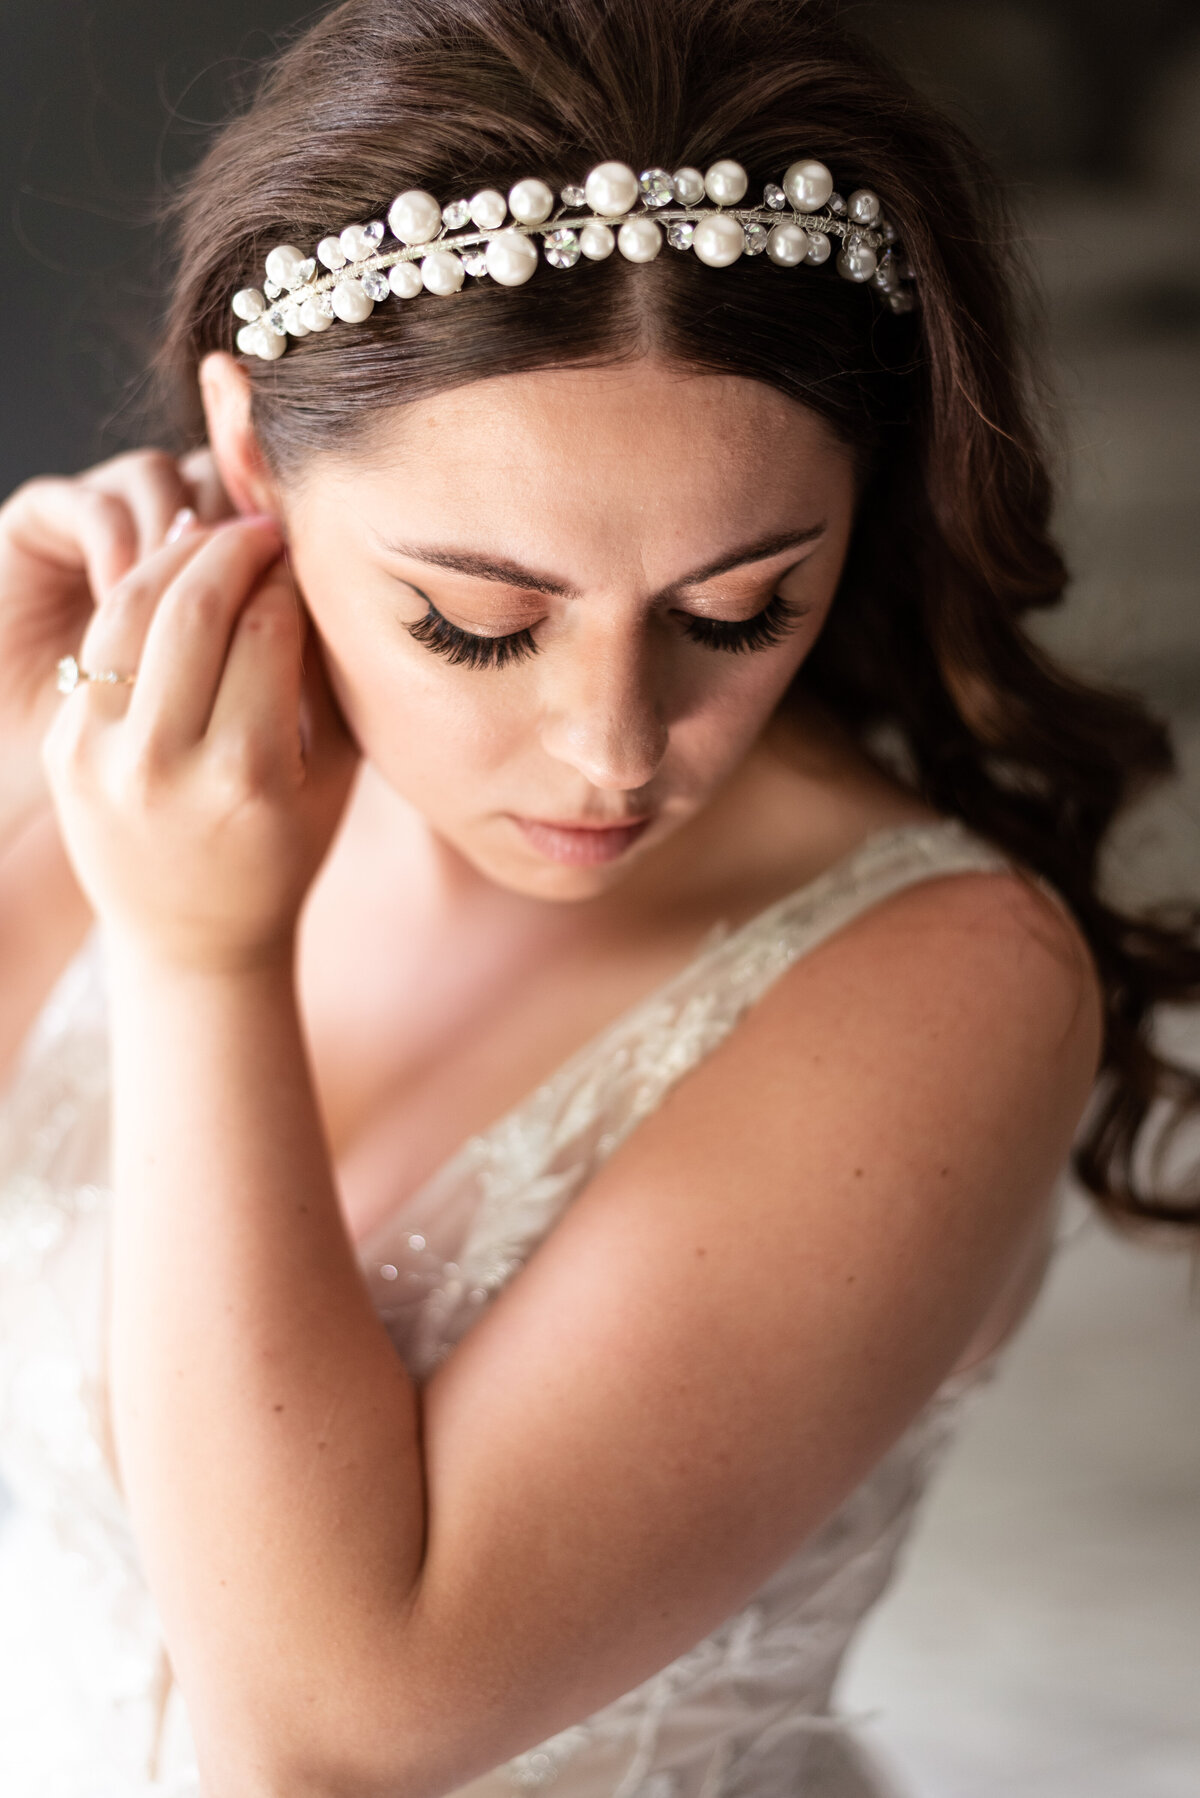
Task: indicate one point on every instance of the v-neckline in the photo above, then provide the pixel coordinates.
(718, 937)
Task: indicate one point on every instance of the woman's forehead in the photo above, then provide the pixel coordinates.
(564, 443)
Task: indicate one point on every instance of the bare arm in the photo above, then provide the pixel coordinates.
(369, 1590)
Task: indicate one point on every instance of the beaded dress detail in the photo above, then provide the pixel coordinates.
(88, 1708)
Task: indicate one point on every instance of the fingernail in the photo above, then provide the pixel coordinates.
(182, 522)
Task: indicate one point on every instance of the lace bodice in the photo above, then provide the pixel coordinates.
(87, 1705)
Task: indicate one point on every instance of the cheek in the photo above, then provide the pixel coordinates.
(720, 725)
(428, 730)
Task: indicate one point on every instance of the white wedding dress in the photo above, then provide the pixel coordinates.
(88, 1708)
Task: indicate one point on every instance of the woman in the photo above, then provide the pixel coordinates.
(579, 899)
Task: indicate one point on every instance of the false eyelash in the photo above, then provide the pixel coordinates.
(464, 649)
(766, 628)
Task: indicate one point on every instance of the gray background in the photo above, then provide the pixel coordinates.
(1043, 1637)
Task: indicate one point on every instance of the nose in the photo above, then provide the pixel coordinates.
(603, 714)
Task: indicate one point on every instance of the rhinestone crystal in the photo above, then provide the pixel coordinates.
(456, 214)
(474, 259)
(680, 233)
(68, 674)
(572, 196)
(657, 187)
(276, 320)
(756, 238)
(375, 283)
(562, 249)
(774, 196)
(272, 289)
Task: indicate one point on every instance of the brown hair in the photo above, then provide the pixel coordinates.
(924, 647)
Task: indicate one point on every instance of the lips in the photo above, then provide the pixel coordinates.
(581, 845)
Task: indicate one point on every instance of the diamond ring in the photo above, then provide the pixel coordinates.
(71, 675)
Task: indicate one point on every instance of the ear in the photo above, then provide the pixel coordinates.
(225, 390)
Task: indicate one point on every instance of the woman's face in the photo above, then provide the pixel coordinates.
(559, 607)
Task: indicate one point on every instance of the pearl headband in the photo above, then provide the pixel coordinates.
(294, 300)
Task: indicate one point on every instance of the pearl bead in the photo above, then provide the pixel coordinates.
(531, 201)
(857, 263)
(415, 216)
(639, 240)
(249, 304)
(256, 340)
(488, 209)
(863, 206)
(351, 302)
(442, 272)
(788, 245)
(313, 318)
(719, 240)
(726, 182)
(404, 279)
(819, 248)
(511, 258)
(294, 320)
(284, 265)
(689, 186)
(597, 241)
(330, 254)
(611, 189)
(808, 185)
(357, 243)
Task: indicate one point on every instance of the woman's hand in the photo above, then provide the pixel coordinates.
(197, 804)
(64, 545)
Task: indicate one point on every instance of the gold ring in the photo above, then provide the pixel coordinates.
(71, 675)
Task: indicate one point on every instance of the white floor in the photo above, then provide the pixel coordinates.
(1044, 1637)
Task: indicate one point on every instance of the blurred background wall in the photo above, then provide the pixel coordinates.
(1044, 1638)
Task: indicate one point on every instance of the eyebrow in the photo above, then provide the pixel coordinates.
(501, 568)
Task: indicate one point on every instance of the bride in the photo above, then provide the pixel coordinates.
(551, 955)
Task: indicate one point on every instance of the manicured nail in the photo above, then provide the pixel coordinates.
(182, 522)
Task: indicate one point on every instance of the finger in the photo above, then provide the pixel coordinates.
(188, 635)
(115, 636)
(76, 529)
(199, 470)
(326, 738)
(256, 715)
(153, 487)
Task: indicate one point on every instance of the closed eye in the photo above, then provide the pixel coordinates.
(465, 649)
(763, 631)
